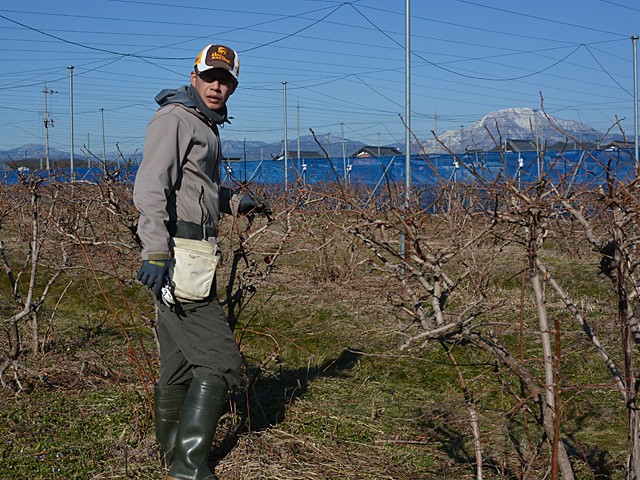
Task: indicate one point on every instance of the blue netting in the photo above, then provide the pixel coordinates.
(577, 166)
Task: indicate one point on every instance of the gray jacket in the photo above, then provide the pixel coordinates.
(179, 177)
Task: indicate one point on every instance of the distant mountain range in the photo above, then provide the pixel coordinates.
(263, 150)
(516, 124)
(494, 128)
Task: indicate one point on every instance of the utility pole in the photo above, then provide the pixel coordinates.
(436, 124)
(89, 151)
(344, 156)
(407, 138)
(286, 180)
(104, 154)
(304, 164)
(634, 39)
(70, 67)
(298, 108)
(435, 129)
(535, 134)
(407, 113)
(48, 122)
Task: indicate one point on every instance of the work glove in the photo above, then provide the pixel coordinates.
(250, 203)
(152, 273)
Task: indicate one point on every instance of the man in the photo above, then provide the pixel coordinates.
(178, 194)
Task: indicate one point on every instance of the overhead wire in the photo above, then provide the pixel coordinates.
(293, 33)
(474, 77)
(142, 57)
(156, 57)
(543, 19)
(149, 58)
(356, 76)
(620, 5)
(607, 72)
(448, 23)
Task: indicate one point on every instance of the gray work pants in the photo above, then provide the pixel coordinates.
(196, 340)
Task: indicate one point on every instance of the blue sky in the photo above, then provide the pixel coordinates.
(344, 64)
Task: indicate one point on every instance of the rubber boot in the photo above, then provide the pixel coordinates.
(168, 400)
(199, 417)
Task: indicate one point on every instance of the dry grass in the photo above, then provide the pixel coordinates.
(278, 455)
(331, 395)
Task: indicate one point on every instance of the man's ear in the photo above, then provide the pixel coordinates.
(233, 87)
(193, 79)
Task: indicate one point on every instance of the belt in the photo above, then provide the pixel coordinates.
(191, 230)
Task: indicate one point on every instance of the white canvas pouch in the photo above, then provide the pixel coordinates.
(194, 267)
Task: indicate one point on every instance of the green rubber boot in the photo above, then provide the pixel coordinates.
(199, 417)
(168, 401)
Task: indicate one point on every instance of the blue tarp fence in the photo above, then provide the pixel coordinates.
(580, 166)
(577, 165)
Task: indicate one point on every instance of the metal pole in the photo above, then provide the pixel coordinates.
(535, 135)
(47, 123)
(634, 39)
(104, 154)
(286, 180)
(46, 128)
(344, 155)
(70, 67)
(408, 102)
(407, 112)
(298, 108)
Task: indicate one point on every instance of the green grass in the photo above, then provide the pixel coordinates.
(70, 434)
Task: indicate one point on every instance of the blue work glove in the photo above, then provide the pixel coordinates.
(250, 203)
(152, 273)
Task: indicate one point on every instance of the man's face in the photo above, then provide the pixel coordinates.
(214, 86)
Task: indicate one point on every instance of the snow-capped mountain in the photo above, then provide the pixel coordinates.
(514, 124)
(491, 130)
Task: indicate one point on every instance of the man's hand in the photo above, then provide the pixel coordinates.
(152, 273)
(250, 203)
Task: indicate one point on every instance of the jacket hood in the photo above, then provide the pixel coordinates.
(189, 97)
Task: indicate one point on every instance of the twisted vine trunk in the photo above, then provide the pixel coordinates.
(624, 317)
(471, 407)
(493, 348)
(559, 457)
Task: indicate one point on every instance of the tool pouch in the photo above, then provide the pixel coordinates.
(194, 268)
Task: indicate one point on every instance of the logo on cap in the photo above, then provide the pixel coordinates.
(220, 54)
